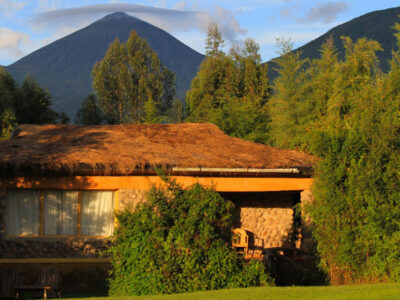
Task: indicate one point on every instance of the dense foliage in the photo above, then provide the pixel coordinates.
(131, 84)
(231, 90)
(89, 113)
(348, 113)
(26, 104)
(179, 241)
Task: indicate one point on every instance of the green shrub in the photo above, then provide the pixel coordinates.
(179, 241)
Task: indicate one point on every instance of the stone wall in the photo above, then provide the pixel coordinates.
(307, 243)
(41, 247)
(268, 216)
(129, 199)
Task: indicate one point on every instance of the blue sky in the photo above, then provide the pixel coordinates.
(27, 25)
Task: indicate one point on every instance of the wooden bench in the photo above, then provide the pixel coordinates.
(47, 286)
(20, 289)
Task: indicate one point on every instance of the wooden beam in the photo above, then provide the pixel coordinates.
(221, 184)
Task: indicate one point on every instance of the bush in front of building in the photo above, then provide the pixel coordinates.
(179, 241)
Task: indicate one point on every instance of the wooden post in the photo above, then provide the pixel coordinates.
(41, 230)
(116, 207)
(79, 213)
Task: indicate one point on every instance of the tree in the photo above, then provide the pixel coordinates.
(214, 41)
(348, 114)
(231, 90)
(7, 122)
(89, 113)
(286, 107)
(150, 112)
(301, 94)
(63, 118)
(8, 91)
(177, 112)
(129, 75)
(356, 158)
(179, 240)
(356, 187)
(33, 105)
(26, 104)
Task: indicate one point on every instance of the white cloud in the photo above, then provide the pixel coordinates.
(9, 8)
(325, 12)
(13, 44)
(171, 20)
(180, 5)
(244, 9)
(288, 11)
(47, 5)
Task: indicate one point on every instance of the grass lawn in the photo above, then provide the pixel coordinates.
(370, 291)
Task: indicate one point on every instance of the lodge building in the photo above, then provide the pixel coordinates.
(61, 185)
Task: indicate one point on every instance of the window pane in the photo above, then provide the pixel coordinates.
(97, 213)
(23, 207)
(60, 212)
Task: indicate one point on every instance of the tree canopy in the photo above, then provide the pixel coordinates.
(29, 103)
(89, 113)
(347, 113)
(131, 84)
(230, 90)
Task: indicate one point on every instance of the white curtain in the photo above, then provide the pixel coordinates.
(97, 211)
(60, 212)
(23, 212)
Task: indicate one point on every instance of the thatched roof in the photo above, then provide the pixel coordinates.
(126, 149)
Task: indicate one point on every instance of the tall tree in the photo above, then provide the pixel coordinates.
(230, 90)
(214, 41)
(130, 75)
(287, 104)
(177, 112)
(8, 90)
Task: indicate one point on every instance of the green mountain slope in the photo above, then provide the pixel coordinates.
(64, 66)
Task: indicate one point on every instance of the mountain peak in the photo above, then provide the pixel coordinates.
(64, 67)
(116, 16)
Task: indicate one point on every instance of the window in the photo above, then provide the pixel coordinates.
(97, 213)
(23, 212)
(60, 213)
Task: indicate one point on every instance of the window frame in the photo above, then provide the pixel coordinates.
(41, 234)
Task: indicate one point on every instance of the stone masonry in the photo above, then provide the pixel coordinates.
(266, 216)
(129, 199)
(307, 243)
